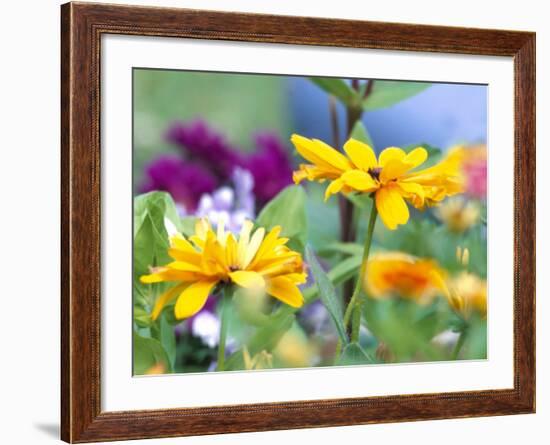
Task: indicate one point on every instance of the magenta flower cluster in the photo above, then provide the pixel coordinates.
(207, 161)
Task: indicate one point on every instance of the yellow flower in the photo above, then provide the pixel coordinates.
(458, 214)
(392, 177)
(463, 256)
(262, 360)
(293, 350)
(255, 261)
(468, 294)
(398, 274)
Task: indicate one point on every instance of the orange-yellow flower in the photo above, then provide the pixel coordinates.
(255, 261)
(391, 178)
(391, 274)
(468, 294)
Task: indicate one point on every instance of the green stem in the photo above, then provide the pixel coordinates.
(459, 344)
(356, 297)
(223, 330)
(354, 306)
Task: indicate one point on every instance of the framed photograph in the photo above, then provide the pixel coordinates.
(274, 222)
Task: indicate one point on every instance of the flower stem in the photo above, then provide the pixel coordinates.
(354, 306)
(459, 344)
(356, 297)
(223, 330)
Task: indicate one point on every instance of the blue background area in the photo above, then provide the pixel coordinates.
(441, 115)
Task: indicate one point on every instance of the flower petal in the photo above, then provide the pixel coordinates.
(202, 227)
(416, 157)
(165, 298)
(253, 246)
(247, 279)
(231, 250)
(359, 180)
(414, 192)
(244, 238)
(193, 298)
(390, 153)
(320, 154)
(333, 188)
(392, 208)
(268, 244)
(285, 290)
(361, 154)
(393, 169)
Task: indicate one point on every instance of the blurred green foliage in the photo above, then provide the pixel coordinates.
(238, 105)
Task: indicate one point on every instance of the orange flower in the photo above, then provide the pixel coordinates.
(391, 274)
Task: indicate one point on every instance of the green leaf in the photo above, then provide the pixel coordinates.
(338, 88)
(405, 327)
(361, 200)
(187, 225)
(150, 247)
(142, 317)
(168, 339)
(337, 275)
(158, 205)
(347, 248)
(327, 294)
(288, 210)
(148, 352)
(151, 213)
(353, 354)
(360, 133)
(386, 93)
(264, 339)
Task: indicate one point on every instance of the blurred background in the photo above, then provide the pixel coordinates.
(442, 115)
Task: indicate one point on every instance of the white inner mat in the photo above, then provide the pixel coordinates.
(121, 391)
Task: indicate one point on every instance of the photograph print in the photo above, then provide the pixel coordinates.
(298, 222)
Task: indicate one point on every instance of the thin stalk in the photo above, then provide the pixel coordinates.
(347, 227)
(459, 344)
(334, 125)
(223, 330)
(356, 302)
(356, 297)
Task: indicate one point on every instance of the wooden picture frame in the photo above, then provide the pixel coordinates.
(82, 26)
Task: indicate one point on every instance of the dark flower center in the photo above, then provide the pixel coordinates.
(375, 173)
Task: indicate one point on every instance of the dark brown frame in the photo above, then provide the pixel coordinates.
(82, 25)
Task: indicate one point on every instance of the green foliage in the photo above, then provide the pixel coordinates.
(346, 248)
(475, 345)
(386, 93)
(265, 339)
(327, 292)
(152, 211)
(187, 225)
(425, 237)
(360, 133)
(164, 96)
(157, 205)
(148, 352)
(288, 210)
(338, 88)
(141, 317)
(167, 338)
(340, 273)
(406, 327)
(353, 354)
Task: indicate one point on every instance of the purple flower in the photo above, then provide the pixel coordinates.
(270, 166)
(228, 205)
(184, 181)
(205, 146)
